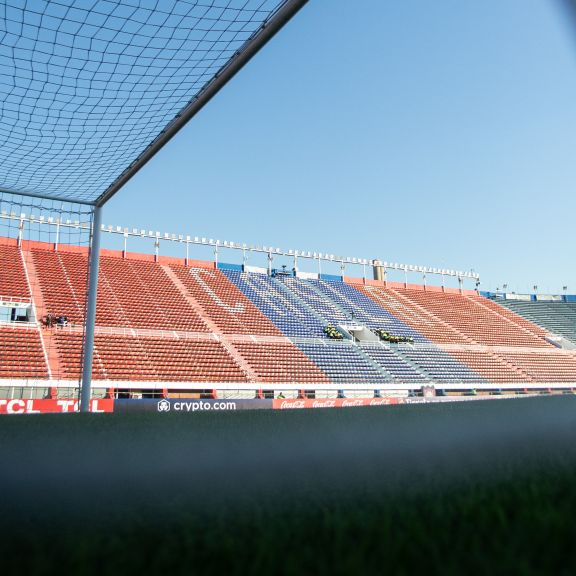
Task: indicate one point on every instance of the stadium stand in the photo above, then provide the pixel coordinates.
(365, 310)
(13, 283)
(21, 354)
(132, 293)
(440, 366)
(147, 297)
(531, 327)
(163, 321)
(401, 370)
(223, 302)
(413, 314)
(324, 307)
(492, 366)
(545, 367)
(281, 363)
(456, 318)
(149, 359)
(288, 312)
(344, 363)
(557, 317)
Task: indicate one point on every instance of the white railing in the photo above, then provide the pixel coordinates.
(17, 302)
(159, 385)
(19, 325)
(272, 252)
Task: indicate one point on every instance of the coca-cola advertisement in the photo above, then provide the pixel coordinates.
(296, 403)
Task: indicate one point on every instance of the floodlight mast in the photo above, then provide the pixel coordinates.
(252, 46)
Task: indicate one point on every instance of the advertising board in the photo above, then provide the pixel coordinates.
(188, 405)
(291, 404)
(46, 406)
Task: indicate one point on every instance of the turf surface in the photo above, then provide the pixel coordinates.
(478, 487)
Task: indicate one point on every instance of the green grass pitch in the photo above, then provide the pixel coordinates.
(475, 487)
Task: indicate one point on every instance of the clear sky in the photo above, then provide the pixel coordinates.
(433, 133)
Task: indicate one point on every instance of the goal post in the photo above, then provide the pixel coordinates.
(90, 93)
(47, 296)
(88, 343)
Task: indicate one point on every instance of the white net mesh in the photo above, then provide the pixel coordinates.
(85, 87)
(43, 292)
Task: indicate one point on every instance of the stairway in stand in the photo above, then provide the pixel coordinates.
(52, 355)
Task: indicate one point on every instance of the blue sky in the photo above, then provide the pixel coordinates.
(432, 133)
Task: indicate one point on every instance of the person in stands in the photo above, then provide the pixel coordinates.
(50, 319)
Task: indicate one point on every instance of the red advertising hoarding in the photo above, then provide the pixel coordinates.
(18, 406)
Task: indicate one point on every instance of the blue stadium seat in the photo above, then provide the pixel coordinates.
(287, 311)
(344, 363)
(365, 310)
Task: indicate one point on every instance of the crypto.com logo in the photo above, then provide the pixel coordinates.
(164, 406)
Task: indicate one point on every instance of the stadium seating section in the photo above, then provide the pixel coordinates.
(166, 321)
(557, 317)
(12, 275)
(21, 355)
(288, 312)
(281, 363)
(221, 301)
(128, 358)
